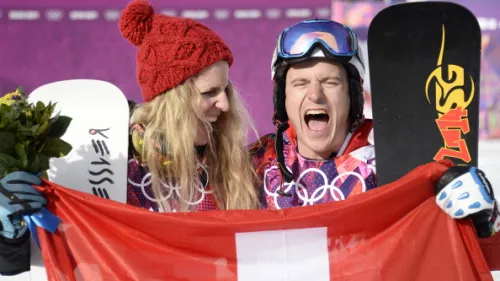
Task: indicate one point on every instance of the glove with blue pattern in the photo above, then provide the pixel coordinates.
(466, 192)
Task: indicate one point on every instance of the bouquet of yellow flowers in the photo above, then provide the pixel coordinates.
(30, 135)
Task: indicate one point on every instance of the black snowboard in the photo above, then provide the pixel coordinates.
(424, 63)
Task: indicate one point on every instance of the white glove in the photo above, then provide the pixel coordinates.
(467, 194)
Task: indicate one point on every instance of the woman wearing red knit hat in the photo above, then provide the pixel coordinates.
(187, 141)
(188, 138)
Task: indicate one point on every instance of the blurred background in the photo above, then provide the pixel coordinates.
(44, 41)
(50, 40)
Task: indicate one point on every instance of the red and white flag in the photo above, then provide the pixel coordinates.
(395, 232)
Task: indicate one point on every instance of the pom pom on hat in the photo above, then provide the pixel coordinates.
(136, 21)
(170, 49)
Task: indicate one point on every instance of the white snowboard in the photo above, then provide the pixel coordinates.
(99, 136)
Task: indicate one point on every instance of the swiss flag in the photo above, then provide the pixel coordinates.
(395, 232)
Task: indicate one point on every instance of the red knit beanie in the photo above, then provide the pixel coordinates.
(170, 49)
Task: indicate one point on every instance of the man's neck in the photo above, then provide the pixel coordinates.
(307, 153)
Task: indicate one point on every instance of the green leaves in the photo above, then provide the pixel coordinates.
(7, 142)
(29, 134)
(56, 148)
(21, 151)
(7, 164)
(45, 175)
(59, 127)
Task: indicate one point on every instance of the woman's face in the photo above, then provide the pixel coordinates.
(211, 83)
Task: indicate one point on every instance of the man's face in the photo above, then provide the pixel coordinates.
(317, 104)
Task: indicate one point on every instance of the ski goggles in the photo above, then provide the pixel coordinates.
(297, 40)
